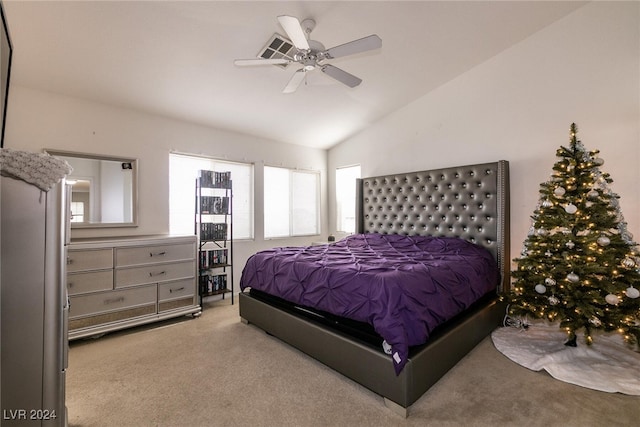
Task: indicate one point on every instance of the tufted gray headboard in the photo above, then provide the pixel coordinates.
(470, 202)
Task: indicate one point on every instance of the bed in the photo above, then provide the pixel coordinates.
(460, 210)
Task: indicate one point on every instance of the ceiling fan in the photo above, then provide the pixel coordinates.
(312, 54)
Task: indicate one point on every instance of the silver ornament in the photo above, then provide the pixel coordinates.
(553, 300)
(540, 288)
(570, 244)
(593, 194)
(549, 281)
(559, 191)
(603, 241)
(632, 292)
(571, 208)
(628, 262)
(595, 321)
(572, 277)
(612, 299)
(547, 204)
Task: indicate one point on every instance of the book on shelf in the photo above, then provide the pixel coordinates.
(213, 231)
(212, 257)
(214, 205)
(213, 179)
(213, 283)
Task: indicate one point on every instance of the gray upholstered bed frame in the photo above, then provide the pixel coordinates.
(471, 202)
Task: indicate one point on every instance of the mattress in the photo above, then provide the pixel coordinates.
(404, 286)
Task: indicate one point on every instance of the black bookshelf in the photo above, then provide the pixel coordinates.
(214, 228)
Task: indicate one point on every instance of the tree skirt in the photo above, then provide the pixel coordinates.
(607, 365)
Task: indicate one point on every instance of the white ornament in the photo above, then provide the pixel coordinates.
(595, 321)
(612, 299)
(547, 204)
(572, 277)
(593, 194)
(571, 208)
(628, 262)
(549, 281)
(570, 245)
(603, 241)
(541, 289)
(632, 292)
(553, 300)
(598, 161)
(542, 232)
(559, 191)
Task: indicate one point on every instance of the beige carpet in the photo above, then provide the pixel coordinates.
(216, 371)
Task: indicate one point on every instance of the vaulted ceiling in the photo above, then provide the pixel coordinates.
(175, 58)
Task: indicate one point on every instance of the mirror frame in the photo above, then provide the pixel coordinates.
(134, 184)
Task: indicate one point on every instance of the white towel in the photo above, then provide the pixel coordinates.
(39, 169)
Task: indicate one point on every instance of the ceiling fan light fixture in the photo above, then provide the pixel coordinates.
(307, 26)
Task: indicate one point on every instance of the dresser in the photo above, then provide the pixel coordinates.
(115, 284)
(33, 305)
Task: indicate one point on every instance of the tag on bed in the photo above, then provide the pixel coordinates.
(386, 347)
(396, 357)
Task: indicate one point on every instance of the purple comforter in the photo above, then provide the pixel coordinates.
(404, 286)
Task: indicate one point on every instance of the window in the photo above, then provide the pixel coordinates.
(291, 202)
(346, 198)
(77, 211)
(183, 171)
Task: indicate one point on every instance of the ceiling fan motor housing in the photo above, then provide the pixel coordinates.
(310, 58)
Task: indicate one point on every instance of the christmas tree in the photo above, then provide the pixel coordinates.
(579, 265)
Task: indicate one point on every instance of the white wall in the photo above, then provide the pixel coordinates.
(518, 106)
(37, 120)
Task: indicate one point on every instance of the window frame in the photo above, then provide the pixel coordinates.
(339, 203)
(249, 233)
(291, 203)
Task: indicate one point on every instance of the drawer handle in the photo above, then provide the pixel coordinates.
(69, 261)
(176, 290)
(152, 254)
(160, 273)
(113, 300)
(70, 285)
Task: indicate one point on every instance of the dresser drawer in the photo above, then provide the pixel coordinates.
(132, 276)
(82, 305)
(89, 259)
(176, 289)
(154, 254)
(90, 281)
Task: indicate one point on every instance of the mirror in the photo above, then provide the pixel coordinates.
(103, 190)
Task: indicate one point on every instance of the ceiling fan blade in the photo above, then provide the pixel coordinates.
(341, 75)
(295, 81)
(361, 45)
(277, 61)
(294, 30)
